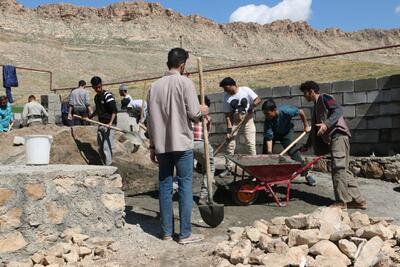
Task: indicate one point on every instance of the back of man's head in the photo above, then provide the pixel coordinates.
(309, 85)
(81, 83)
(227, 82)
(31, 98)
(177, 57)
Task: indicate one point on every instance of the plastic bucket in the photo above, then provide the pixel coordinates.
(38, 149)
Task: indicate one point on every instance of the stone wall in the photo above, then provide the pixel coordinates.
(52, 103)
(371, 107)
(38, 203)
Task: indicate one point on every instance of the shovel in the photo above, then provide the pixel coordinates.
(133, 137)
(238, 127)
(292, 144)
(211, 213)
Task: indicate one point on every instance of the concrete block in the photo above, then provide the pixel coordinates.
(396, 121)
(367, 110)
(342, 86)
(357, 123)
(219, 107)
(365, 85)
(355, 98)
(292, 101)
(217, 97)
(298, 125)
(385, 135)
(379, 123)
(389, 82)
(390, 108)
(216, 138)
(395, 94)
(264, 92)
(361, 150)
(379, 96)
(339, 98)
(395, 135)
(365, 136)
(349, 111)
(325, 88)
(259, 138)
(307, 112)
(44, 100)
(259, 126)
(295, 90)
(281, 91)
(217, 117)
(219, 127)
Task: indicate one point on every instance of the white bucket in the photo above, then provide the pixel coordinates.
(38, 149)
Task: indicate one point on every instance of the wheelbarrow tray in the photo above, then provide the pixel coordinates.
(268, 170)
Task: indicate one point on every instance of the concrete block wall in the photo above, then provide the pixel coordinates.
(52, 103)
(371, 108)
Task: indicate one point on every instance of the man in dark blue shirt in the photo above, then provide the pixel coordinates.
(278, 126)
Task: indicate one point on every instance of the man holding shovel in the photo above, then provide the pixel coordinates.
(278, 126)
(106, 111)
(239, 105)
(172, 106)
(330, 134)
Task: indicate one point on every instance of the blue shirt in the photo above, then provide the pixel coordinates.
(6, 117)
(281, 124)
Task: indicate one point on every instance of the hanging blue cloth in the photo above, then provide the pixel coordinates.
(9, 80)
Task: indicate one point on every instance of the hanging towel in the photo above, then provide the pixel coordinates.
(9, 76)
(9, 95)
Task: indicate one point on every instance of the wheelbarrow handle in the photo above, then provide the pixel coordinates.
(308, 165)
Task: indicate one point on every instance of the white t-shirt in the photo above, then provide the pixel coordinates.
(241, 102)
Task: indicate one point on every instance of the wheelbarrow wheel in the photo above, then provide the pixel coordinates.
(244, 198)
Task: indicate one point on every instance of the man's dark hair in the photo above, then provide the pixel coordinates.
(81, 83)
(309, 85)
(269, 105)
(95, 81)
(31, 97)
(206, 100)
(177, 57)
(227, 81)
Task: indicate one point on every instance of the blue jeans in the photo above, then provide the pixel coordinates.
(183, 162)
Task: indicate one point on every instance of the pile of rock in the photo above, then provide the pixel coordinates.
(384, 168)
(329, 237)
(76, 249)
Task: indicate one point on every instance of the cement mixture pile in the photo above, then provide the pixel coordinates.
(328, 237)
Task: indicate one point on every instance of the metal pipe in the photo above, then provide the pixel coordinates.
(255, 64)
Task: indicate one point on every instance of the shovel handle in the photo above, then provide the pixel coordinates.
(99, 123)
(293, 143)
(238, 127)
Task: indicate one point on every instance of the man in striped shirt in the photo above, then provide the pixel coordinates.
(106, 111)
(198, 152)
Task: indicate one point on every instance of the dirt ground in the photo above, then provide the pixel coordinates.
(142, 209)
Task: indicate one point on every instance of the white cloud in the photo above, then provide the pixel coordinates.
(397, 10)
(295, 10)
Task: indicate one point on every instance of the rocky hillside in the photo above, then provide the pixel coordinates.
(130, 40)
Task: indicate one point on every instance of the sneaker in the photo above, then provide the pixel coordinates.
(193, 238)
(357, 205)
(225, 174)
(311, 180)
(167, 238)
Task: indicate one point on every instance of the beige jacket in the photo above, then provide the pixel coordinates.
(172, 106)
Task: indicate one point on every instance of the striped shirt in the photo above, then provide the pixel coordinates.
(198, 134)
(105, 106)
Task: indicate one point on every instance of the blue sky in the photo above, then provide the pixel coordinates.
(348, 15)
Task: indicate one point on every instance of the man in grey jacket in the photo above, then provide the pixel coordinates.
(33, 112)
(172, 106)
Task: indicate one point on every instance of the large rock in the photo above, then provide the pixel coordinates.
(278, 229)
(297, 255)
(329, 249)
(5, 195)
(275, 260)
(277, 246)
(256, 257)
(348, 248)
(11, 220)
(35, 191)
(235, 233)
(265, 241)
(303, 237)
(359, 220)
(344, 232)
(371, 231)
(261, 226)
(297, 222)
(368, 256)
(224, 249)
(253, 234)
(241, 251)
(329, 261)
(12, 242)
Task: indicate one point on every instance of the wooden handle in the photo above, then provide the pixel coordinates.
(292, 144)
(10, 127)
(205, 132)
(143, 101)
(99, 123)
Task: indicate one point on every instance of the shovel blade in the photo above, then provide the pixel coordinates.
(134, 138)
(212, 214)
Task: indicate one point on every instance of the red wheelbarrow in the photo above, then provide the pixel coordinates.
(265, 172)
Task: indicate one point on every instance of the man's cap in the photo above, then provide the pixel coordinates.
(123, 87)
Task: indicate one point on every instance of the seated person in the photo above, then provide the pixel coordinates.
(33, 112)
(6, 114)
(278, 126)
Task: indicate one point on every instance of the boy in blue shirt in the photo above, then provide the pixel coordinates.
(278, 126)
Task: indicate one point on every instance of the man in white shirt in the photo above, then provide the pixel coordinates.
(33, 112)
(133, 106)
(239, 104)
